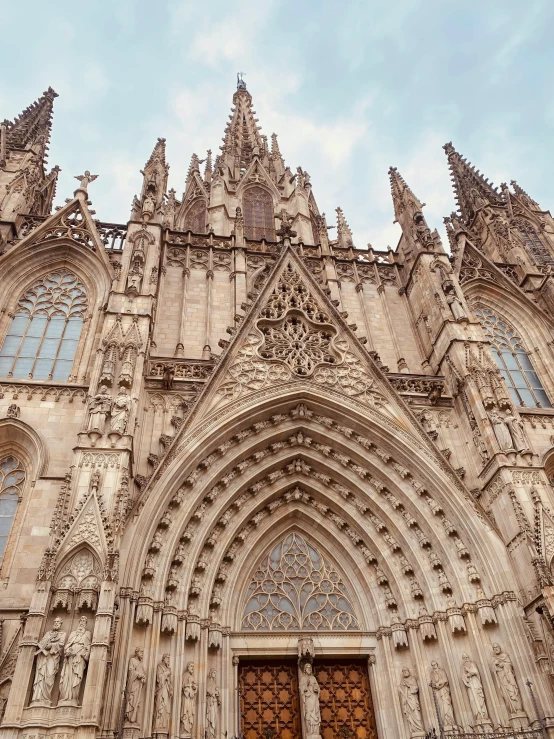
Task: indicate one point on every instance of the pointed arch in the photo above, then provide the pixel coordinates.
(196, 217)
(259, 219)
(22, 444)
(296, 587)
(42, 339)
(512, 359)
(179, 530)
(535, 246)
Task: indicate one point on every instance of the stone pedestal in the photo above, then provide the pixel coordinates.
(131, 731)
(519, 721)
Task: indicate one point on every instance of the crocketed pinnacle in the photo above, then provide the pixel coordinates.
(344, 232)
(402, 195)
(158, 155)
(523, 193)
(275, 151)
(472, 190)
(33, 125)
(208, 168)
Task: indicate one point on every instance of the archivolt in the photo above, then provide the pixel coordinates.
(265, 450)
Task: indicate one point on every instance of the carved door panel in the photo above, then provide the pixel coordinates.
(345, 699)
(269, 700)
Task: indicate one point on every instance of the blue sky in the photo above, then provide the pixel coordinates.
(351, 87)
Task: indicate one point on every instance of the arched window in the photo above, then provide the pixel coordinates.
(195, 218)
(259, 221)
(45, 329)
(535, 247)
(295, 587)
(515, 365)
(12, 478)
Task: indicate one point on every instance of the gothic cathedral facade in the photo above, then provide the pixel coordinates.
(257, 481)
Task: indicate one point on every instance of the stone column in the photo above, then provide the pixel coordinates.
(96, 672)
(25, 662)
(239, 276)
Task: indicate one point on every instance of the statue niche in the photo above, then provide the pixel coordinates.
(78, 582)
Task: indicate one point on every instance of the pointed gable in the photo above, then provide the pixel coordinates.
(293, 333)
(75, 225)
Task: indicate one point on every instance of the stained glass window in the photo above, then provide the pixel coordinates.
(295, 587)
(195, 218)
(259, 221)
(535, 247)
(45, 330)
(12, 478)
(513, 361)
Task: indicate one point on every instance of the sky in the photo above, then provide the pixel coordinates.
(350, 87)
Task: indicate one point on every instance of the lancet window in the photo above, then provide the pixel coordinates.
(12, 479)
(537, 250)
(195, 218)
(259, 221)
(295, 587)
(513, 361)
(45, 330)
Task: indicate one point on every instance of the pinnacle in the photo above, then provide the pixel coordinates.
(401, 193)
(33, 124)
(344, 232)
(471, 188)
(158, 153)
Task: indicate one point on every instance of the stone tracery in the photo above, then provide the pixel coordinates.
(294, 587)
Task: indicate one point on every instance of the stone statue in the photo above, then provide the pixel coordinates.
(162, 696)
(456, 306)
(99, 408)
(501, 432)
(120, 411)
(188, 700)
(148, 206)
(85, 180)
(134, 278)
(213, 701)
(439, 683)
(136, 677)
(48, 654)
(515, 427)
(309, 694)
(507, 680)
(75, 657)
(472, 680)
(409, 702)
(168, 376)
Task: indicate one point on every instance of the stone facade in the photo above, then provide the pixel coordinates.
(235, 450)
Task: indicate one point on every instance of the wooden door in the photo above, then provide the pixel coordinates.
(269, 700)
(345, 699)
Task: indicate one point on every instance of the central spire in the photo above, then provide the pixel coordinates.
(242, 140)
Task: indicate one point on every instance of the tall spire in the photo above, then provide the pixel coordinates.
(472, 190)
(33, 125)
(242, 140)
